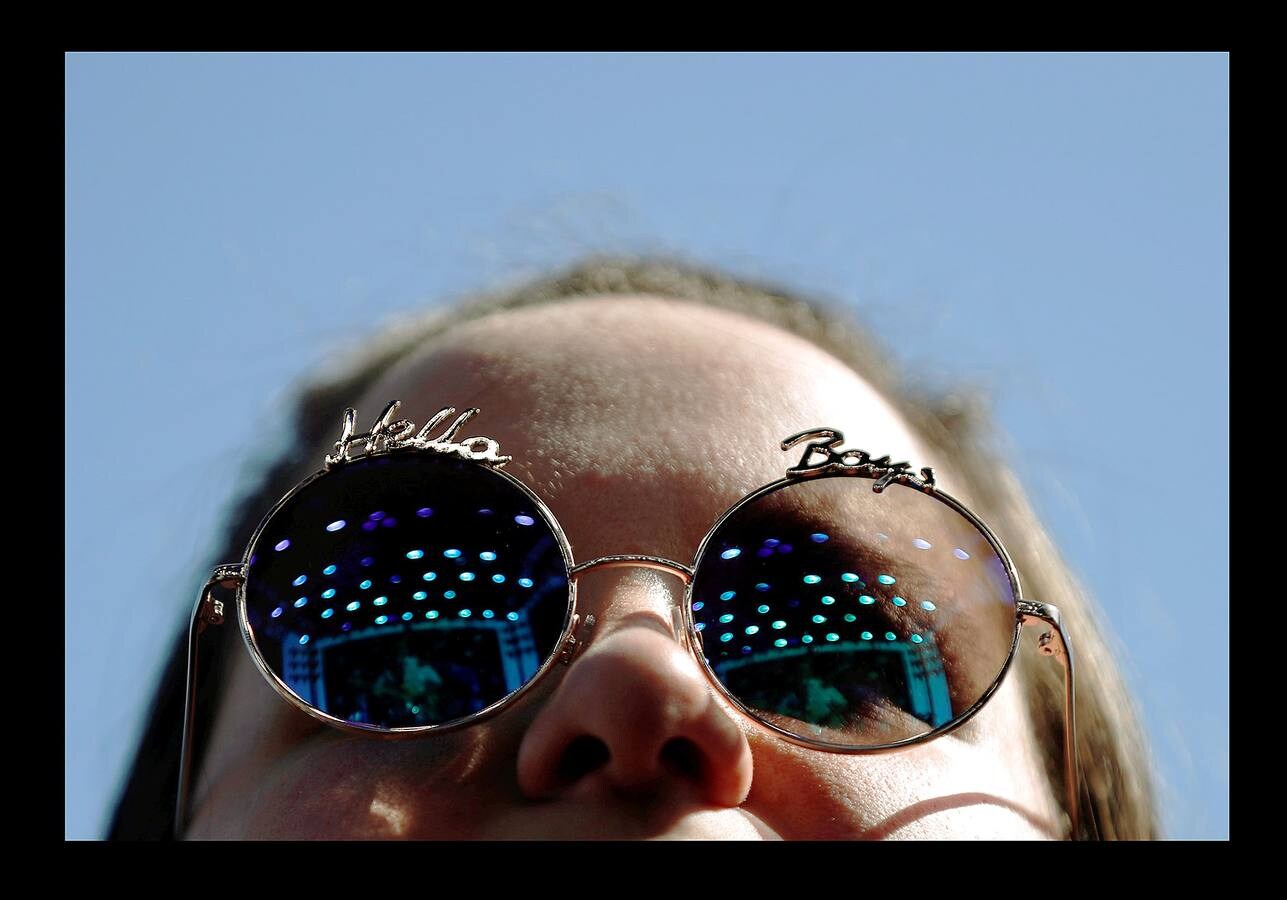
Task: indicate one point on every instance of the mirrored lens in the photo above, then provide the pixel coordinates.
(849, 617)
(407, 590)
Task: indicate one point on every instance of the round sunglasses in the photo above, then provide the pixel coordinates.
(412, 586)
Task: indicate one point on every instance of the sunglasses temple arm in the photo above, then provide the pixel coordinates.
(208, 611)
(1055, 642)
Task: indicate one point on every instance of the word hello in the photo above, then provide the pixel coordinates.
(389, 435)
(826, 446)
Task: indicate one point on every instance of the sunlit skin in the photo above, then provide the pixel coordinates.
(638, 421)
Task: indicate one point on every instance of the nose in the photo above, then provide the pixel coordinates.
(634, 714)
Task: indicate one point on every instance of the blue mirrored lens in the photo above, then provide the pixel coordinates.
(855, 618)
(408, 619)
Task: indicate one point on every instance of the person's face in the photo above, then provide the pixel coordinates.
(638, 421)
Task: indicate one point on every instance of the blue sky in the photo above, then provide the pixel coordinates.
(1051, 229)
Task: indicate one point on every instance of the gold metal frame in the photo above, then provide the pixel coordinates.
(823, 457)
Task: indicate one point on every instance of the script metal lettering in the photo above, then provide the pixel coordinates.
(823, 454)
(386, 435)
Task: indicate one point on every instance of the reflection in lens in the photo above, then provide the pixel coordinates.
(380, 639)
(896, 624)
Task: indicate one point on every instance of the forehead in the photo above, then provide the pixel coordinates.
(640, 419)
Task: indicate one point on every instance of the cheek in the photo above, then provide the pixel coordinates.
(332, 785)
(357, 788)
(987, 785)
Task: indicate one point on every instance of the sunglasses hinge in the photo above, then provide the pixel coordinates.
(1044, 615)
(210, 611)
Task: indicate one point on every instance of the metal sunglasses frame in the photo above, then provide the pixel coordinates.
(823, 456)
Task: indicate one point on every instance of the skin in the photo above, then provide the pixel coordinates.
(639, 421)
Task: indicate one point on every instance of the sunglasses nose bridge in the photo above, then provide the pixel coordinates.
(658, 563)
(661, 564)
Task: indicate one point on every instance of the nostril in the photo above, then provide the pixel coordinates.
(634, 719)
(682, 756)
(584, 755)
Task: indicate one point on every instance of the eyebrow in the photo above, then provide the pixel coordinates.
(909, 571)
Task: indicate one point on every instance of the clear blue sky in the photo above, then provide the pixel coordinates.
(1052, 229)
